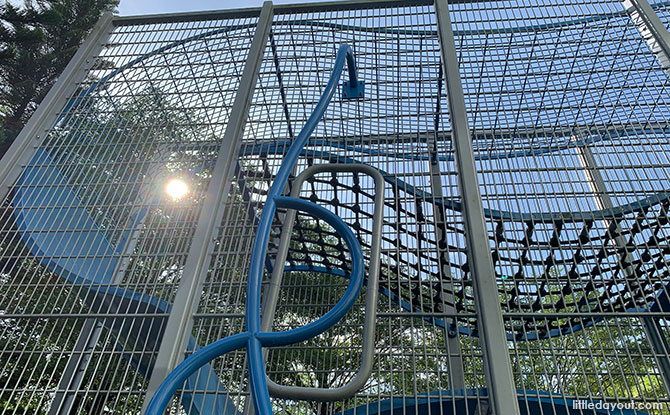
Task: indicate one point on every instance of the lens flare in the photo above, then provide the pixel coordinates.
(176, 189)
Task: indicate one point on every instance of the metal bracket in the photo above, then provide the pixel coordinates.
(355, 91)
(651, 28)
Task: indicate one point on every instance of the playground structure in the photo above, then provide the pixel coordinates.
(471, 204)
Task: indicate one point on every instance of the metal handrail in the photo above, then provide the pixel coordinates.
(371, 296)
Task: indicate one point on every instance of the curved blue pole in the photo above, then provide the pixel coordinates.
(253, 338)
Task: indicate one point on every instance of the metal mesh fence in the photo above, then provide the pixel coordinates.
(92, 247)
(568, 120)
(393, 129)
(568, 112)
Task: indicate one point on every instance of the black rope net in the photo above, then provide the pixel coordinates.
(610, 260)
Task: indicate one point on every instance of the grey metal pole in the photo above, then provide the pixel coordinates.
(497, 363)
(651, 28)
(73, 375)
(178, 328)
(33, 133)
(452, 342)
(652, 327)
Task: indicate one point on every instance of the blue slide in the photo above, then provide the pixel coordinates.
(57, 228)
(445, 403)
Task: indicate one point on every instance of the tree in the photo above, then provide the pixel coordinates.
(36, 43)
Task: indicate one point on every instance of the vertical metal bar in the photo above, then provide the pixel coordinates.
(73, 375)
(497, 363)
(178, 329)
(652, 328)
(452, 342)
(660, 346)
(24, 146)
(651, 28)
(282, 90)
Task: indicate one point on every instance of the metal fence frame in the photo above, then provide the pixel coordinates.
(498, 367)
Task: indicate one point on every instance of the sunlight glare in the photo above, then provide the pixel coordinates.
(176, 189)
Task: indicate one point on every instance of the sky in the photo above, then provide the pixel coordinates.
(132, 7)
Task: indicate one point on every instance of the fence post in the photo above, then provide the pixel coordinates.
(497, 362)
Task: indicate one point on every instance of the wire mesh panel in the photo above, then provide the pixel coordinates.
(568, 111)
(394, 128)
(92, 244)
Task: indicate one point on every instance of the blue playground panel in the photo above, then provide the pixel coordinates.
(442, 403)
(55, 226)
